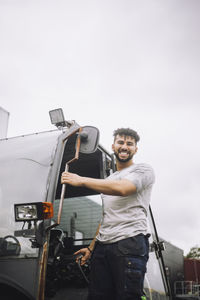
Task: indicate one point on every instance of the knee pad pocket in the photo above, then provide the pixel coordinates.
(134, 276)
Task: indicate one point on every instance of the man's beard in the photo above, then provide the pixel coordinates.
(130, 156)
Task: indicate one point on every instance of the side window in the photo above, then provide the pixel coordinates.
(82, 211)
(88, 165)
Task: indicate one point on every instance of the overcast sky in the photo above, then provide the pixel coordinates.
(110, 64)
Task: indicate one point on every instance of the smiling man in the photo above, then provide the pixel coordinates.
(120, 249)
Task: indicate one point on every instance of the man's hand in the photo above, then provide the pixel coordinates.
(85, 252)
(71, 178)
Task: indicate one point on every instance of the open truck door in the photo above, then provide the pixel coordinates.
(86, 142)
(37, 252)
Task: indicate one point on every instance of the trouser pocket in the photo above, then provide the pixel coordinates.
(134, 246)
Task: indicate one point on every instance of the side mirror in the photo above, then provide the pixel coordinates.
(89, 139)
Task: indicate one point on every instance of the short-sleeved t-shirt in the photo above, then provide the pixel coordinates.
(125, 217)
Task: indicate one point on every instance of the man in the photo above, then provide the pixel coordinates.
(120, 249)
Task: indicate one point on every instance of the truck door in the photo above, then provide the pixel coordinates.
(80, 217)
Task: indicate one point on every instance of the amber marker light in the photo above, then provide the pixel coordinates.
(47, 210)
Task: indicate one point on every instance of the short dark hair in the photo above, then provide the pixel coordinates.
(126, 132)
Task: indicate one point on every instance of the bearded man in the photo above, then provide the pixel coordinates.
(120, 249)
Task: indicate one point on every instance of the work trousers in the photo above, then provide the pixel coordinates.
(118, 269)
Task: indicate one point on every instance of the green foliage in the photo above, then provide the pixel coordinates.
(194, 253)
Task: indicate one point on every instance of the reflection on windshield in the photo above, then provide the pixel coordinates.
(80, 217)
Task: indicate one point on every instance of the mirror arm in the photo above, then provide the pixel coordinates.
(76, 157)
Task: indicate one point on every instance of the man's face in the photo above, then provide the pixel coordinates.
(124, 148)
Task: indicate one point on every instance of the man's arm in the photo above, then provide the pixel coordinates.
(86, 252)
(92, 244)
(123, 187)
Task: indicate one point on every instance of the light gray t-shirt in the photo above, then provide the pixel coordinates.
(124, 217)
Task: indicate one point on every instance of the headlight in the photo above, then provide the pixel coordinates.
(33, 211)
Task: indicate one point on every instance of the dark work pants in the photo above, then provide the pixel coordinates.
(118, 269)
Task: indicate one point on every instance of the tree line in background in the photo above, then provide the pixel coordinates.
(194, 253)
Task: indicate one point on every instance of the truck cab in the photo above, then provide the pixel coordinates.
(42, 225)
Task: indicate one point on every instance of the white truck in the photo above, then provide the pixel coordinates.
(43, 223)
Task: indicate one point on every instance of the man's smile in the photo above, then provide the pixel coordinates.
(123, 153)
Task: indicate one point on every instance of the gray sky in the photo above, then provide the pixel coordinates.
(113, 64)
